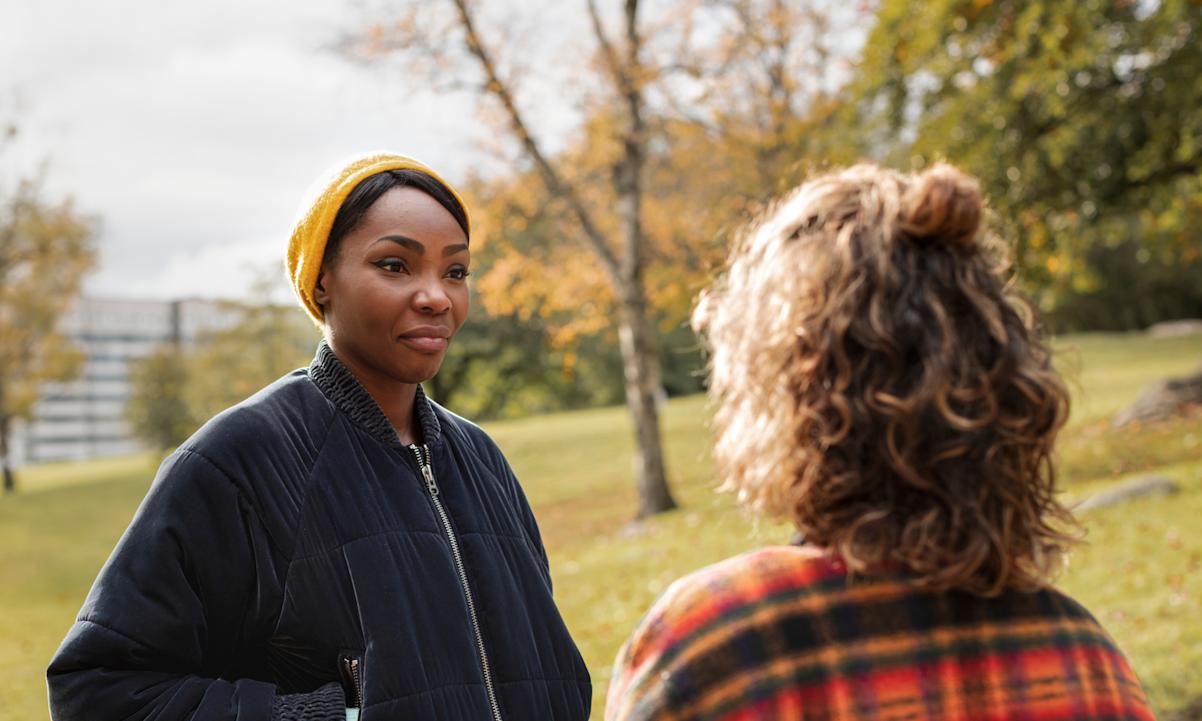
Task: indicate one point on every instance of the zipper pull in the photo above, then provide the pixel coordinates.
(424, 465)
(428, 474)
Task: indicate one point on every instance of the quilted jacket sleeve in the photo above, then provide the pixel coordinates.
(159, 636)
(527, 514)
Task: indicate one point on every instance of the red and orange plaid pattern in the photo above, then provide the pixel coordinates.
(784, 633)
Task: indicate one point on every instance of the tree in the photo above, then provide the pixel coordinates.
(766, 82)
(182, 383)
(621, 252)
(44, 250)
(157, 410)
(1082, 121)
(692, 114)
(539, 337)
(260, 340)
(502, 366)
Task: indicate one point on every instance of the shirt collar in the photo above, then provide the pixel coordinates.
(345, 391)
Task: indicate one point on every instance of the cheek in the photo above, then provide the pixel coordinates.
(371, 303)
(461, 301)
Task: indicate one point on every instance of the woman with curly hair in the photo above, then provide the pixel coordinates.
(881, 386)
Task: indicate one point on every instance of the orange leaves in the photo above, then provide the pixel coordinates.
(565, 289)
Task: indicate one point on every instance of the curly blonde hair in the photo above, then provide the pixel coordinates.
(881, 384)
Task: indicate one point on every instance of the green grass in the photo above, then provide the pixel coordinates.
(1141, 575)
(1140, 571)
(54, 536)
(1106, 371)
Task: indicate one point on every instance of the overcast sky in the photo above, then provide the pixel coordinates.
(192, 130)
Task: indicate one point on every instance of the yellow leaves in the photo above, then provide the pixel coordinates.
(533, 262)
(261, 342)
(157, 411)
(1037, 240)
(44, 250)
(566, 289)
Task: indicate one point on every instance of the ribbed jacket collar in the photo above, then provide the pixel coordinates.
(349, 396)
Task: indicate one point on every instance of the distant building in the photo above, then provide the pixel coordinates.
(85, 418)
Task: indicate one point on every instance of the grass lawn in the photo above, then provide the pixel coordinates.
(1140, 571)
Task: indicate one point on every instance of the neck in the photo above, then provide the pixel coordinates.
(397, 405)
(394, 397)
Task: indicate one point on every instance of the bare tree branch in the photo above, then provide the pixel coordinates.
(607, 49)
(500, 91)
(630, 171)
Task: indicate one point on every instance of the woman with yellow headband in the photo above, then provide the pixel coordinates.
(338, 546)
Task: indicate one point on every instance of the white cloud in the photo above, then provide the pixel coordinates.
(193, 129)
(215, 270)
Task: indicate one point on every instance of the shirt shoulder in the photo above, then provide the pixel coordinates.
(697, 610)
(699, 602)
(266, 446)
(748, 579)
(289, 418)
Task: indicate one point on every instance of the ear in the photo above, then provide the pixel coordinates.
(320, 295)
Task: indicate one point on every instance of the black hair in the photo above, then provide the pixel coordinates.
(370, 189)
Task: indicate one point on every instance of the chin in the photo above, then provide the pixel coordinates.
(419, 372)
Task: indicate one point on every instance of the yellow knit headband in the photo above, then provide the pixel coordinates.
(312, 231)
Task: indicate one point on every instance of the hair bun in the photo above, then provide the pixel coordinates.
(943, 205)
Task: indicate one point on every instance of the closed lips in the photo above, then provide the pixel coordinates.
(429, 339)
(430, 331)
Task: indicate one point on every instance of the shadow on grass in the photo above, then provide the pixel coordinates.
(1191, 712)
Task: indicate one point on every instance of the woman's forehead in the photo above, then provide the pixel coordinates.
(410, 213)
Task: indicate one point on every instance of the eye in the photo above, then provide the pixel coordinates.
(392, 265)
(458, 273)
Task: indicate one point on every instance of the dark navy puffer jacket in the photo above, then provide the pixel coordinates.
(293, 557)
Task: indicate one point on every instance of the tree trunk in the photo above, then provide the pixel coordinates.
(625, 270)
(10, 483)
(638, 362)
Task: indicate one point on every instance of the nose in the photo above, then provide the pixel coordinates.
(431, 297)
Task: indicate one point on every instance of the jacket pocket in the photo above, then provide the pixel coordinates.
(350, 669)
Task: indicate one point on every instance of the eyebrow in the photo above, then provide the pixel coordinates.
(417, 247)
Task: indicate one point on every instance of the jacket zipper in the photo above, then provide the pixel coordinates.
(354, 679)
(423, 461)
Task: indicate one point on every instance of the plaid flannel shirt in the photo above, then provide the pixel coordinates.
(785, 633)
